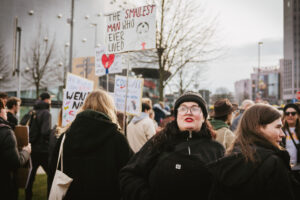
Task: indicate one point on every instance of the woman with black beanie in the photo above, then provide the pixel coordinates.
(172, 164)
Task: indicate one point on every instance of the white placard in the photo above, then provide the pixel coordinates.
(134, 95)
(131, 29)
(77, 89)
(75, 82)
(107, 63)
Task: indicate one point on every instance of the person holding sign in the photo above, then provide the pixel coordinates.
(94, 150)
(10, 157)
(172, 164)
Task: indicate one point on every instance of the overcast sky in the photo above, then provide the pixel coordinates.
(242, 24)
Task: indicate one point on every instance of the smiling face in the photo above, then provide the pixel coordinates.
(273, 131)
(291, 117)
(189, 117)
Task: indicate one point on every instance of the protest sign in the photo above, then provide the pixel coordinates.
(134, 94)
(107, 63)
(131, 29)
(75, 82)
(77, 89)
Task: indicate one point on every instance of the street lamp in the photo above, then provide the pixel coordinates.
(258, 68)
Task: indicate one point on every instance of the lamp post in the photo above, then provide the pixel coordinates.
(258, 69)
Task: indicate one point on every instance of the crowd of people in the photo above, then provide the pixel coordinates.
(187, 152)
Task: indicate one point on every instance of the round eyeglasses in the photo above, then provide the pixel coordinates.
(194, 110)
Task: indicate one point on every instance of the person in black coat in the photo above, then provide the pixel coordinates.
(255, 167)
(94, 150)
(172, 164)
(10, 157)
(39, 132)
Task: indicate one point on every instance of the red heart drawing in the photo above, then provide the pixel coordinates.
(108, 61)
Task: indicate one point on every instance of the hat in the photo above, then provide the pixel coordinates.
(222, 108)
(191, 97)
(291, 105)
(45, 95)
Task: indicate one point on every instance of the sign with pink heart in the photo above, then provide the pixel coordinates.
(107, 63)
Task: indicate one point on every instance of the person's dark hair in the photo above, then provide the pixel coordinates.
(222, 118)
(44, 96)
(3, 95)
(1, 105)
(145, 107)
(248, 132)
(12, 101)
(286, 127)
(162, 138)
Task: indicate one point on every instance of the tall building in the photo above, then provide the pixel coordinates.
(290, 64)
(243, 90)
(268, 85)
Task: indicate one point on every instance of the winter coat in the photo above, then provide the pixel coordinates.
(11, 159)
(236, 121)
(154, 174)
(43, 117)
(224, 134)
(93, 153)
(139, 131)
(268, 178)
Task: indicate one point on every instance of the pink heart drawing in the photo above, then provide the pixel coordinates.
(108, 61)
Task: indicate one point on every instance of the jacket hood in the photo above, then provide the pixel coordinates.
(217, 124)
(39, 105)
(142, 116)
(233, 170)
(88, 131)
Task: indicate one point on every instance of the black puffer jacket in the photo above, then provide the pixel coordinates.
(268, 178)
(10, 159)
(43, 116)
(150, 174)
(94, 152)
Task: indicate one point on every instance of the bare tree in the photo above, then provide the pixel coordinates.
(5, 74)
(185, 35)
(40, 70)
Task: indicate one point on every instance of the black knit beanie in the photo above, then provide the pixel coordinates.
(191, 97)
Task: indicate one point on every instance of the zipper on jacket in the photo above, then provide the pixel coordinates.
(187, 139)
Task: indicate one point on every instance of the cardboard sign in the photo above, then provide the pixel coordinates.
(77, 89)
(131, 29)
(22, 135)
(107, 63)
(134, 94)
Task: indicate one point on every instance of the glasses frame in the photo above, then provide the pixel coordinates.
(189, 109)
(290, 113)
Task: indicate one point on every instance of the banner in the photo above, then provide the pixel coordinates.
(107, 63)
(134, 95)
(131, 29)
(77, 89)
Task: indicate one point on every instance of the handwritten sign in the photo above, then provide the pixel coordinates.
(77, 89)
(131, 29)
(134, 95)
(75, 82)
(107, 63)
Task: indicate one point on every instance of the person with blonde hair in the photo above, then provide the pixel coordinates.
(94, 150)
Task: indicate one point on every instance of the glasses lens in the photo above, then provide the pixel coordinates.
(182, 109)
(290, 113)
